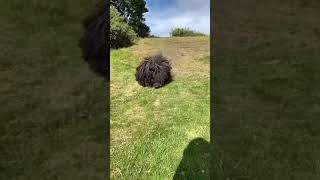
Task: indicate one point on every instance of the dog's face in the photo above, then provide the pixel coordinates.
(154, 71)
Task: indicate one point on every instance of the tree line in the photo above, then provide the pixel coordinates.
(127, 22)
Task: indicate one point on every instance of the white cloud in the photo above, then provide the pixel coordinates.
(194, 14)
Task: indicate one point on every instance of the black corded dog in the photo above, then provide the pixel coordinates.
(94, 43)
(154, 71)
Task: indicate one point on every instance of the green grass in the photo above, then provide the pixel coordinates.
(52, 119)
(266, 116)
(152, 128)
(266, 91)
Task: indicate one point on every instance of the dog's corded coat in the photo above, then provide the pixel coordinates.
(154, 71)
(94, 43)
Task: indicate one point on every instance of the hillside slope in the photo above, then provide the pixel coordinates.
(52, 115)
(152, 128)
(266, 92)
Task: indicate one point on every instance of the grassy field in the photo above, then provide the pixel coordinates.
(52, 115)
(161, 133)
(266, 116)
(266, 90)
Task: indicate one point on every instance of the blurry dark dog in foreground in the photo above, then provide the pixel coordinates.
(154, 71)
(94, 43)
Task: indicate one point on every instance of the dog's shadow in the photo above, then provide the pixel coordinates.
(195, 161)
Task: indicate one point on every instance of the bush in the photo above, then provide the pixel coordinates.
(141, 29)
(153, 36)
(181, 32)
(121, 34)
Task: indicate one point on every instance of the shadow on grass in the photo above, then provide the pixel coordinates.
(195, 161)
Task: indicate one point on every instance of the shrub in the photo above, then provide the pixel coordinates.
(141, 29)
(181, 32)
(153, 36)
(121, 34)
(133, 12)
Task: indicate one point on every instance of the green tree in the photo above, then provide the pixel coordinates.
(133, 11)
(121, 34)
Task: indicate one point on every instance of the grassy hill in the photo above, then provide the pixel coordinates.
(52, 115)
(152, 130)
(266, 91)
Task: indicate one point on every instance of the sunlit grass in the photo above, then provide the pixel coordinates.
(150, 128)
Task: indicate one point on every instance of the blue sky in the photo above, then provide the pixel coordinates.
(164, 15)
